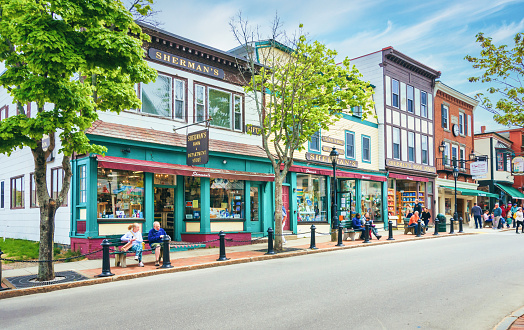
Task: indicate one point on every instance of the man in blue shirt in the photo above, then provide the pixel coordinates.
(477, 215)
(357, 224)
(155, 237)
(497, 213)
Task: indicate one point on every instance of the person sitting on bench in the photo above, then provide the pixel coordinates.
(413, 221)
(357, 225)
(372, 226)
(155, 237)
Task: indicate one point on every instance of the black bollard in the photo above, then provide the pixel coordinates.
(390, 227)
(366, 234)
(436, 227)
(167, 258)
(452, 230)
(222, 256)
(1, 289)
(106, 267)
(340, 229)
(270, 232)
(460, 225)
(419, 228)
(312, 245)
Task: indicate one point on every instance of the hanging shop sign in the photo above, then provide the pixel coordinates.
(410, 166)
(332, 140)
(253, 130)
(517, 166)
(479, 169)
(328, 149)
(185, 63)
(325, 159)
(197, 148)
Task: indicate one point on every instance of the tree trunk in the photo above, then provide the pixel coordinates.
(47, 232)
(278, 212)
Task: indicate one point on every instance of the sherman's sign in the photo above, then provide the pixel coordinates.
(197, 148)
(325, 159)
(185, 63)
(409, 166)
(328, 149)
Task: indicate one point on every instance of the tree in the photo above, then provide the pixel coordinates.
(298, 89)
(72, 58)
(503, 69)
(143, 12)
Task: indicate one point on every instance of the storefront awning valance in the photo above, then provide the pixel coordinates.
(514, 193)
(472, 192)
(127, 164)
(408, 177)
(340, 174)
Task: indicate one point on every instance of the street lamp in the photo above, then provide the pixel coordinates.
(333, 156)
(455, 175)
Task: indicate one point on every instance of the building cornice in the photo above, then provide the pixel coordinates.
(454, 93)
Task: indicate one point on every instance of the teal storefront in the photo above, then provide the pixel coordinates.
(141, 181)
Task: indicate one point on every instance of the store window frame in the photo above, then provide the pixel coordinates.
(395, 93)
(316, 136)
(33, 197)
(323, 195)
(55, 184)
(101, 214)
(227, 212)
(364, 159)
(348, 154)
(15, 205)
(173, 98)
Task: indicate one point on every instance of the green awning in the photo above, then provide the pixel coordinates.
(472, 192)
(514, 193)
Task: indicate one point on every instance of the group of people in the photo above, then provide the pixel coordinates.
(134, 238)
(508, 215)
(418, 212)
(359, 225)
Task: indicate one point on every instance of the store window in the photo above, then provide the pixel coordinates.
(411, 94)
(120, 194)
(33, 199)
(407, 193)
(447, 205)
(82, 184)
(314, 143)
(371, 199)
(312, 198)
(57, 180)
(17, 192)
(396, 143)
(395, 91)
(411, 146)
(192, 198)
(254, 203)
(226, 199)
(348, 205)
(430, 196)
(165, 179)
(350, 145)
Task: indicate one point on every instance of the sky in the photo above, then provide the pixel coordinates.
(438, 34)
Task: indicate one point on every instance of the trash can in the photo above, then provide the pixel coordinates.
(441, 223)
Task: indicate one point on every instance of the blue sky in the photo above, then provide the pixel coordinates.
(436, 33)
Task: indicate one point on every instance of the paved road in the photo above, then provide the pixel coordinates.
(468, 282)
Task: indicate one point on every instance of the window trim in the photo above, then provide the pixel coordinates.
(462, 157)
(422, 150)
(393, 94)
(2, 194)
(33, 200)
(22, 190)
(414, 149)
(393, 143)
(369, 145)
(461, 123)
(53, 170)
(346, 144)
(319, 143)
(356, 113)
(424, 105)
(80, 177)
(443, 106)
(241, 113)
(4, 109)
(195, 86)
(412, 99)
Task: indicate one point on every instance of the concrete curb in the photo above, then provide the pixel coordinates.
(54, 287)
(508, 321)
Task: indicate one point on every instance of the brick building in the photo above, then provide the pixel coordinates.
(517, 137)
(454, 140)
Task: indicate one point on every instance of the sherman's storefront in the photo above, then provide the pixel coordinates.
(142, 181)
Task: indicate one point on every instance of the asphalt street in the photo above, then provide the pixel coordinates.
(467, 282)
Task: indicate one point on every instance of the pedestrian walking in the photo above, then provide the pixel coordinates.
(514, 209)
(477, 215)
(497, 213)
(519, 220)
(509, 215)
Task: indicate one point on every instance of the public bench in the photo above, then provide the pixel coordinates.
(348, 230)
(120, 256)
(487, 223)
(411, 230)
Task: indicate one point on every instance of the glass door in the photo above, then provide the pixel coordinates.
(164, 194)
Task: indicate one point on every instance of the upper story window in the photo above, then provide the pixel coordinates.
(33, 198)
(350, 144)
(82, 184)
(424, 104)
(424, 149)
(366, 149)
(411, 95)
(447, 153)
(57, 179)
(461, 123)
(462, 157)
(395, 90)
(226, 109)
(396, 143)
(454, 154)
(2, 194)
(357, 111)
(411, 146)
(17, 192)
(314, 143)
(4, 112)
(157, 97)
(444, 116)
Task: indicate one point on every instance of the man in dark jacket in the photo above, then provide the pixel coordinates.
(155, 237)
(477, 215)
(417, 207)
(357, 224)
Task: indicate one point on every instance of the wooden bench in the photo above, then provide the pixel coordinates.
(411, 230)
(120, 256)
(349, 231)
(488, 224)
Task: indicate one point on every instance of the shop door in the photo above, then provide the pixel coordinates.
(285, 203)
(460, 208)
(254, 223)
(165, 209)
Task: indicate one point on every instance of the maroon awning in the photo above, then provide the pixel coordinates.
(127, 164)
(340, 174)
(408, 177)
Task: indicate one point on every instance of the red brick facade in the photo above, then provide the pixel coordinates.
(455, 106)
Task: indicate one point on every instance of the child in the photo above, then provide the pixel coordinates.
(509, 218)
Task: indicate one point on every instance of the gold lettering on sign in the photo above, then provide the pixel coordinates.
(325, 159)
(332, 140)
(410, 166)
(185, 63)
(206, 69)
(175, 60)
(328, 149)
(191, 65)
(167, 58)
(158, 55)
(215, 71)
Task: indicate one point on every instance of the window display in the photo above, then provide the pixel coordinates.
(165, 179)
(311, 198)
(226, 199)
(192, 198)
(348, 205)
(120, 194)
(254, 203)
(371, 200)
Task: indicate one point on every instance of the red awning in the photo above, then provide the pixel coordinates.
(127, 164)
(408, 177)
(340, 174)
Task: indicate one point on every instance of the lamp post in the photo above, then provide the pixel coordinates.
(333, 156)
(455, 176)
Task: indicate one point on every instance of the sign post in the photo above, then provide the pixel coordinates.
(197, 150)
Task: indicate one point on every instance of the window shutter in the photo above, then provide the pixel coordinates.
(470, 127)
(443, 116)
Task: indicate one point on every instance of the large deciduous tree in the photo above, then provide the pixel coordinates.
(503, 69)
(298, 89)
(71, 58)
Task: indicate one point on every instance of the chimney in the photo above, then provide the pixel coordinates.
(482, 129)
